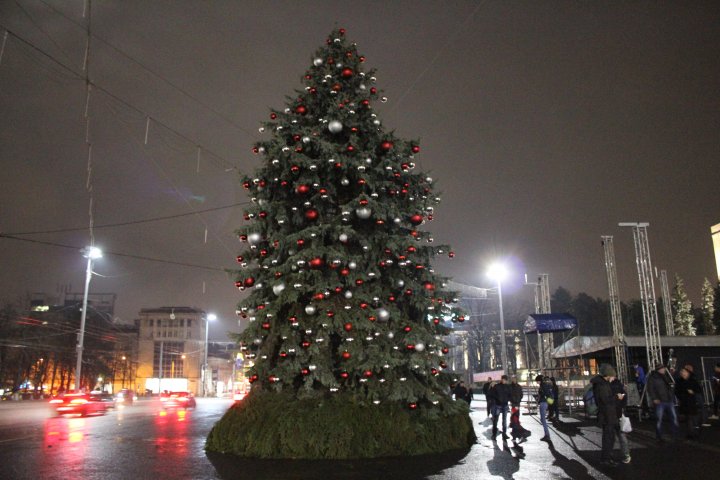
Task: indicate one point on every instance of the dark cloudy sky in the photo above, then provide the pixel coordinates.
(544, 123)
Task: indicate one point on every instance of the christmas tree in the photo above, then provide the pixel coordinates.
(707, 301)
(682, 309)
(346, 314)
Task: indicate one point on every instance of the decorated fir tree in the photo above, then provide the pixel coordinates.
(682, 309)
(707, 306)
(345, 312)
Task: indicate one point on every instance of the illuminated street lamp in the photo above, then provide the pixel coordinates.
(498, 272)
(210, 318)
(91, 253)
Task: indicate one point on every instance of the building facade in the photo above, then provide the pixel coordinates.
(171, 349)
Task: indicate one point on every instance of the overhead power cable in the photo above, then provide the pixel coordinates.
(117, 254)
(226, 163)
(152, 72)
(130, 222)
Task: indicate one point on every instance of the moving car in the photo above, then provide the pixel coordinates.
(82, 404)
(177, 400)
(125, 397)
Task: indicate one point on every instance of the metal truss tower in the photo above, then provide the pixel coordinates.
(615, 313)
(647, 292)
(667, 307)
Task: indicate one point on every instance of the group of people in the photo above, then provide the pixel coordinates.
(610, 397)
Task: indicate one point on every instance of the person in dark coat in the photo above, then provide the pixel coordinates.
(554, 413)
(686, 390)
(500, 394)
(618, 390)
(544, 398)
(660, 393)
(460, 391)
(516, 393)
(607, 411)
(486, 390)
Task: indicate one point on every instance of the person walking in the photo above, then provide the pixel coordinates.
(687, 389)
(543, 396)
(660, 393)
(554, 410)
(715, 385)
(486, 390)
(618, 390)
(501, 394)
(607, 411)
(516, 393)
(639, 373)
(460, 392)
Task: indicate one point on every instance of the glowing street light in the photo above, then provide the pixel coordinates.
(91, 253)
(211, 317)
(498, 272)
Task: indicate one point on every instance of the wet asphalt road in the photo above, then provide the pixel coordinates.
(144, 442)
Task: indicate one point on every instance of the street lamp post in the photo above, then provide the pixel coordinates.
(210, 317)
(91, 253)
(498, 272)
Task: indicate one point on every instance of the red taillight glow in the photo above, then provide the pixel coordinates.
(77, 401)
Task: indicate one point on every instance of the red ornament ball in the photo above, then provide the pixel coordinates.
(316, 262)
(451, 254)
(302, 189)
(386, 145)
(415, 149)
(368, 373)
(348, 326)
(273, 116)
(249, 282)
(347, 72)
(311, 214)
(344, 375)
(416, 219)
(266, 325)
(412, 406)
(346, 355)
(301, 109)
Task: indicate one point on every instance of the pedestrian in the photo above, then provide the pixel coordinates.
(686, 389)
(660, 393)
(469, 396)
(486, 389)
(618, 389)
(702, 415)
(460, 391)
(516, 393)
(501, 396)
(715, 384)
(554, 411)
(639, 372)
(607, 411)
(544, 396)
(518, 431)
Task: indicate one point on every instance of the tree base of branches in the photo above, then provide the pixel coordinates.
(279, 425)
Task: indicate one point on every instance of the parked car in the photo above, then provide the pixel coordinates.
(177, 400)
(82, 404)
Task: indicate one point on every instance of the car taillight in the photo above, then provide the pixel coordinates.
(78, 401)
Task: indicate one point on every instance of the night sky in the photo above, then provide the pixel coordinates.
(544, 124)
